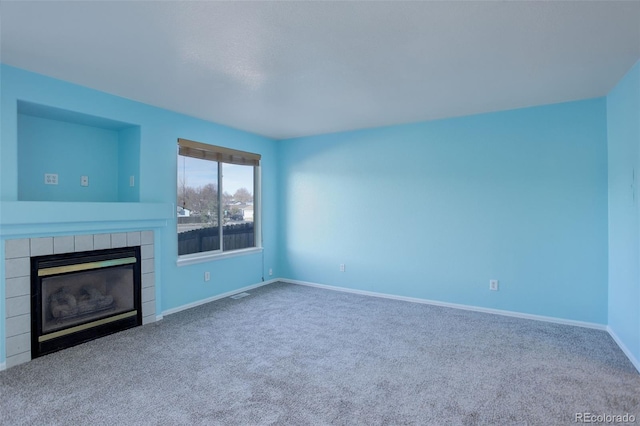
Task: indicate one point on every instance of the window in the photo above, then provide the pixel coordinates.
(218, 196)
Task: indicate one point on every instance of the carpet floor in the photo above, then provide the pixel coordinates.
(294, 355)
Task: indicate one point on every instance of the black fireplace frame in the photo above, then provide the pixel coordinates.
(40, 348)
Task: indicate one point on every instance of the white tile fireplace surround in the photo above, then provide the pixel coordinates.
(18, 253)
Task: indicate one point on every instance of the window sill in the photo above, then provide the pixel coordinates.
(191, 259)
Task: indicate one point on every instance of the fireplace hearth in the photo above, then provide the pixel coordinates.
(77, 297)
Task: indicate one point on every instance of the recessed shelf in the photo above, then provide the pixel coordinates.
(69, 144)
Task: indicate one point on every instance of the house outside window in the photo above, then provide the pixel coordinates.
(218, 199)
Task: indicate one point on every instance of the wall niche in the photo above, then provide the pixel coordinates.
(93, 159)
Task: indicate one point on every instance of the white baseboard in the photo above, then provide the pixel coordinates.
(3, 366)
(216, 297)
(159, 317)
(585, 324)
(623, 347)
(454, 305)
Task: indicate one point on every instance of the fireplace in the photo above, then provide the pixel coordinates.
(77, 297)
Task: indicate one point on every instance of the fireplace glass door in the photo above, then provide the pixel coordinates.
(80, 297)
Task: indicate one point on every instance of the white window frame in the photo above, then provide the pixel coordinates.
(193, 258)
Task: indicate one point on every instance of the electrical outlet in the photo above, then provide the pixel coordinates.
(342, 267)
(84, 180)
(493, 285)
(270, 271)
(207, 276)
(50, 179)
(132, 181)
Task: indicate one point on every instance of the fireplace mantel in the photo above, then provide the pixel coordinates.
(41, 217)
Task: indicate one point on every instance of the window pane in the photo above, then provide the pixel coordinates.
(198, 225)
(238, 206)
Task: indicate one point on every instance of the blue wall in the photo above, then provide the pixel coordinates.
(128, 164)
(623, 120)
(429, 210)
(435, 210)
(70, 151)
(158, 133)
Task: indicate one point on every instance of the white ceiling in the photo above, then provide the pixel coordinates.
(286, 69)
